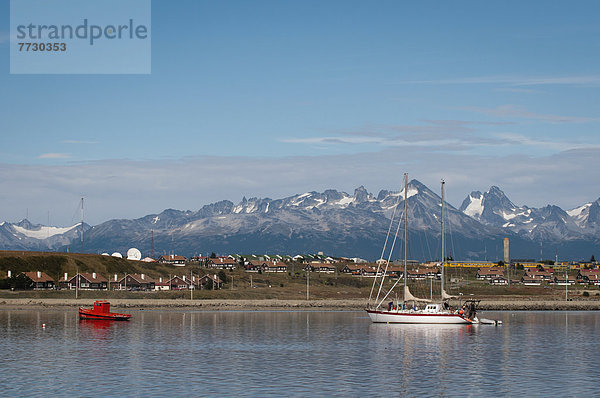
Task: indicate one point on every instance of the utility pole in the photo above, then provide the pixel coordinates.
(566, 285)
(307, 282)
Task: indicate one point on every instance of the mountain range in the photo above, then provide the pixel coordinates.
(337, 223)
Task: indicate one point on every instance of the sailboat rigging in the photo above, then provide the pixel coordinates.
(402, 312)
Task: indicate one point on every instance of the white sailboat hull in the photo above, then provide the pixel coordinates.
(442, 318)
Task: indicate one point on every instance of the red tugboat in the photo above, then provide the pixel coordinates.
(101, 310)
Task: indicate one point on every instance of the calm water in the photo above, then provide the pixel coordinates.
(183, 353)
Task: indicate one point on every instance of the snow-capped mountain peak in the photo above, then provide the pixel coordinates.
(473, 205)
(332, 221)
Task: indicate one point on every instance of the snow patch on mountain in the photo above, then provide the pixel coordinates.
(579, 212)
(475, 206)
(344, 202)
(43, 232)
(300, 198)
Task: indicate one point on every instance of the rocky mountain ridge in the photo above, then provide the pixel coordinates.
(337, 223)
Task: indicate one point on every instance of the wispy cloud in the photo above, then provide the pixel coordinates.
(554, 145)
(519, 90)
(432, 135)
(113, 188)
(54, 156)
(512, 111)
(79, 142)
(585, 80)
(456, 136)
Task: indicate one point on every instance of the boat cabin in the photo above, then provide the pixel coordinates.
(101, 306)
(432, 308)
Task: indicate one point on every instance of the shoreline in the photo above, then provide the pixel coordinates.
(285, 305)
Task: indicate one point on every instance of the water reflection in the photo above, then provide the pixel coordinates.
(295, 353)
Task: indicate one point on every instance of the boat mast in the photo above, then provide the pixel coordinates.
(405, 230)
(443, 243)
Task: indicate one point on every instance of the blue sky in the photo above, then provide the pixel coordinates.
(273, 98)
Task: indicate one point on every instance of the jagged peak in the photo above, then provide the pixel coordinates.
(495, 190)
(384, 193)
(361, 194)
(25, 223)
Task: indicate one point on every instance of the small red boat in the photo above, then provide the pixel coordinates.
(101, 310)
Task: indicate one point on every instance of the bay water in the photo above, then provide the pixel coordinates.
(296, 353)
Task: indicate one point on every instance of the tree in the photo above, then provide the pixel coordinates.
(213, 255)
(500, 263)
(208, 285)
(223, 276)
(18, 282)
(593, 259)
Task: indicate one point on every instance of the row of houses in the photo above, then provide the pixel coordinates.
(537, 276)
(363, 270)
(208, 261)
(131, 282)
(393, 271)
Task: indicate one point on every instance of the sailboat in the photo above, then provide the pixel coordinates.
(432, 313)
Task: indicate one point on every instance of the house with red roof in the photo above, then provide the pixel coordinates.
(84, 281)
(210, 281)
(222, 263)
(172, 259)
(136, 282)
(39, 280)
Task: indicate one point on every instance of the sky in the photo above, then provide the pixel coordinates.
(275, 98)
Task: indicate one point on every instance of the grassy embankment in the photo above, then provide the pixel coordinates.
(239, 284)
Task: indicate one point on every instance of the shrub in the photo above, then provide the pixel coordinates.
(223, 276)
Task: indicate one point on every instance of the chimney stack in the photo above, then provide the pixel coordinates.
(94, 275)
(143, 276)
(39, 274)
(160, 279)
(9, 273)
(66, 276)
(115, 277)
